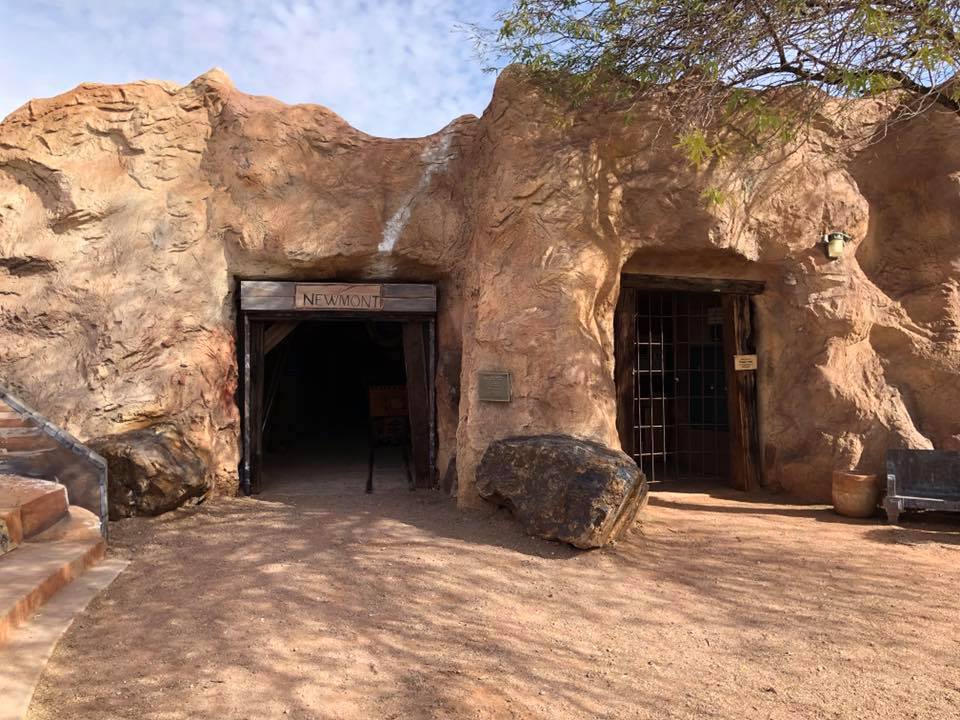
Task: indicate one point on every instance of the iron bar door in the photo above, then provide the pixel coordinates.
(672, 383)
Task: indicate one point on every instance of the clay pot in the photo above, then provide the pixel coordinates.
(855, 495)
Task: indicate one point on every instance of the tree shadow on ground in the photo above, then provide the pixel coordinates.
(396, 605)
(914, 528)
(932, 527)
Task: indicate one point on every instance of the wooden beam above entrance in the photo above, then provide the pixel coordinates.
(338, 297)
(692, 284)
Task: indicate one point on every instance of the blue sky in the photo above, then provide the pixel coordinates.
(396, 68)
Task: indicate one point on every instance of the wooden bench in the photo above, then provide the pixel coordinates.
(922, 480)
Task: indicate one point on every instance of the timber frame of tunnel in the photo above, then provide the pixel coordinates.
(686, 378)
(269, 311)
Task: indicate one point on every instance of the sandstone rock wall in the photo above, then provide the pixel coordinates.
(127, 214)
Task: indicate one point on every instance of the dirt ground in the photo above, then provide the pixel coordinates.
(394, 605)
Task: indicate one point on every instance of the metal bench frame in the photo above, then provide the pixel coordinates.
(895, 503)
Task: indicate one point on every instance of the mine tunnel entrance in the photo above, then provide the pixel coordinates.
(337, 386)
(686, 380)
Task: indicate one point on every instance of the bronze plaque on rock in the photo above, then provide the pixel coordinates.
(494, 386)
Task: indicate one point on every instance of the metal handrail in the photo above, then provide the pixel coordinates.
(68, 442)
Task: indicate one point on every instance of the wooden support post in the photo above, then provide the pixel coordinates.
(741, 394)
(247, 403)
(415, 358)
(625, 339)
(252, 403)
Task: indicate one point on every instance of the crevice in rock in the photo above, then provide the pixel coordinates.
(23, 266)
(909, 246)
(71, 221)
(46, 183)
(118, 139)
(924, 390)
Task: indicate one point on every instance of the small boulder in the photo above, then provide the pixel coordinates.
(151, 471)
(563, 488)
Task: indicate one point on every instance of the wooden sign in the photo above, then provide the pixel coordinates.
(363, 298)
(744, 362)
(494, 386)
(330, 296)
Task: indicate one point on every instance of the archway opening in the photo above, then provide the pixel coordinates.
(337, 386)
(333, 389)
(686, 380)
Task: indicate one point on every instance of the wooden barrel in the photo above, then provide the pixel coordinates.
(855, 495)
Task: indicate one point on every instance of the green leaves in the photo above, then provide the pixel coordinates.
(723, 68)
(876, 20)
(697, 149)
(713, 196)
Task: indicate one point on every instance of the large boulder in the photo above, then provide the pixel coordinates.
(151, 471)
(563, 488)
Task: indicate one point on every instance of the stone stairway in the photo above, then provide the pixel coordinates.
(27, 508)
(31, 446)
(52, 511)
(45, 544)
(21, 441)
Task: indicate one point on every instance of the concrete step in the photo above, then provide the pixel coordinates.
(27, 652)
(19, 431)
(29, 506)
(35, 571)
(21, 462)
(8, 420)
(24, 454)
(25, 438)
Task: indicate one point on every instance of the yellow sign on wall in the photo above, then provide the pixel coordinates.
(744, 362)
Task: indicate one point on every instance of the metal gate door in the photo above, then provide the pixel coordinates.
(677, 384)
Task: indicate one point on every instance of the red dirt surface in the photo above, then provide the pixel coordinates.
(395, 605)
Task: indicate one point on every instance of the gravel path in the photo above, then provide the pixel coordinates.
(395, 605)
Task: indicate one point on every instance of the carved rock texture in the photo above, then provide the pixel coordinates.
(6, 538)
(562, 488)
(151, 471)
(127, 213)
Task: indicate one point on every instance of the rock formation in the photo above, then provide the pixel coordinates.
(127, 214)
(562, 488)
(151, 471)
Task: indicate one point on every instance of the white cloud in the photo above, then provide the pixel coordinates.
(390, 67)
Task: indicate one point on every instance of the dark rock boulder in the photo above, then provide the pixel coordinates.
(563, 488)
(151, 471)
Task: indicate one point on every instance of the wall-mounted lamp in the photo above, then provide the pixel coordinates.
(835, 241)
